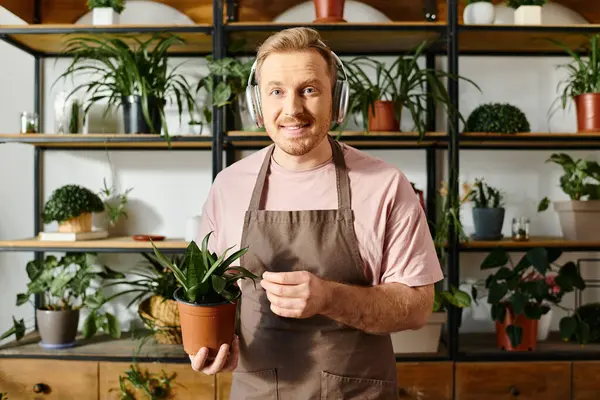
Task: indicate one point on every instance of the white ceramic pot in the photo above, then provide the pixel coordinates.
(105, 16)
(528, 15)
(480, 13)
(544, 325)
(423, 340)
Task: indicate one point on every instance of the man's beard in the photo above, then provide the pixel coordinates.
(299, 146)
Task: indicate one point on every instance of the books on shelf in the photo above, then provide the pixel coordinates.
(73, 236)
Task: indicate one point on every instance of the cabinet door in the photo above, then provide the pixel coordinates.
(519, 380)
(586, 385)
(223, 385)
(186, 385)
(425, 380)
(48, 379)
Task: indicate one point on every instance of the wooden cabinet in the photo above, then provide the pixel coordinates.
(506, 380)
(425, 380)
(48, 379)
(586, 385)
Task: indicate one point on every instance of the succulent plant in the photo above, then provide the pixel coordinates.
(70, 201)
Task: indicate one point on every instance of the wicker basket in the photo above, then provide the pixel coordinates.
(162, 317)
(80, 224)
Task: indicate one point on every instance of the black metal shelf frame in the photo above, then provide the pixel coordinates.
(221, 143)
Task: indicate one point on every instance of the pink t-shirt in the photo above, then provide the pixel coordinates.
(392, 232)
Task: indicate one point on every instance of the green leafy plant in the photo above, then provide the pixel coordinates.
(404, 83)
(524, 288)
(590, 314)
(453, 297)
(65, 284)
(114, 203)
(122, 71)
(484, 195)
(519, 3)
(448, 211)
(70, 201)
(117, 5)
(497, 118)
(153, 386)
(205, 277)
(581, 179)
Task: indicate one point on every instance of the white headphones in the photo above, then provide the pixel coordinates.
(339, 96)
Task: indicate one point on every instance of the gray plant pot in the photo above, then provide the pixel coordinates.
(58, 329)
(488, 223)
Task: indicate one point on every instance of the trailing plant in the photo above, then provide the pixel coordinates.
(114, 203)
(497, 118)
(519, 3)
(404, 83)
(122, 70)
(484, 195)
(153, 386)
(117, 5)
(70, 201)
(523, 288)
(66, 284)
(448, 211)
(580, 181)
(205, 277)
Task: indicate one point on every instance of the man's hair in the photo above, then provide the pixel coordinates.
(296, 39)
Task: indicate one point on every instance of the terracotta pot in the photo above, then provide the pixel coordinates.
(205, 325)
(588, 112)
(529, 332)
(80, 224)
(328, 11)
(384, 118)
(58, 329)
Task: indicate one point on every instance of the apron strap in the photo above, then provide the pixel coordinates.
(341, 172)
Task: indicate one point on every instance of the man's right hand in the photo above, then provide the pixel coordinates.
(224, 361)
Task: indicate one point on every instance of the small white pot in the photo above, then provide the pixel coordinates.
(480, 13)
(105, 16)
(423, 340)
(544, 325)
(528, 15)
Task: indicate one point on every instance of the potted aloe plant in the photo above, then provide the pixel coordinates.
(403, 85)
(135, 77)
(580, 214)
(72, 206)
(207, 295)
(488, 212)
(106, 12)
(65, 285)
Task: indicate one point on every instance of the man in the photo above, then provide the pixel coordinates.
(337, 236)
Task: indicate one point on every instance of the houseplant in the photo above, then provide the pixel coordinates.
(497, 118)
(328, 11)
(106, 12)
(65, 286)
(527, 12)
(479, 12)
(519, 295)
(380, 101)
(580, 215)
(136, 77)
(582, 85)
(207, 295)
(488, 213)
(72, 207)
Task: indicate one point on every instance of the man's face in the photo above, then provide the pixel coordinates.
(296, 100)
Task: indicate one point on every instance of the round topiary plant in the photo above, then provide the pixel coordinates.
(497, 118)
(72, 207)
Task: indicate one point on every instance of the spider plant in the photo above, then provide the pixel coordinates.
(404, 83)
(122, 71)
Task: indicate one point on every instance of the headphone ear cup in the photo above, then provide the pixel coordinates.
(258, 109)
(341, 102)
(335, 102)
(254, 104)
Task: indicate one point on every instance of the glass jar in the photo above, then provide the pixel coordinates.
(520, 229)
(30, 122)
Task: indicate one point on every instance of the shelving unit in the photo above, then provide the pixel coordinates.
(250, 21)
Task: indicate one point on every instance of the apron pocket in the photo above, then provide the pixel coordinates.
(345, 387)
(254, 385)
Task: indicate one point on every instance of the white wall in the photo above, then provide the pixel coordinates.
(185, 177)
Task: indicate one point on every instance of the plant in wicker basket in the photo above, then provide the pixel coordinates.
(72, 207)
(207, 295)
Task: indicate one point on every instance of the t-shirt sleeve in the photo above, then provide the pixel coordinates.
(208, 222)
(409, 255)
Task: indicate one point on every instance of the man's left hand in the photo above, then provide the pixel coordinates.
(298, 294)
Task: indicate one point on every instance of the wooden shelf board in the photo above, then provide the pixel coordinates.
(348, 38)
(112, 243)
(523, 39)
(534, 241)
(131, 141)
(99, 347)
(540, 140)
(49, 39)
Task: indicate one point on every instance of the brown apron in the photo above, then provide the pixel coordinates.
(312, 358)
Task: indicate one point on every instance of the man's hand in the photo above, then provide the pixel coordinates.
(299, 294)
(224, 361)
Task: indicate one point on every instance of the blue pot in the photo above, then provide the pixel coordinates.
(488, 223)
